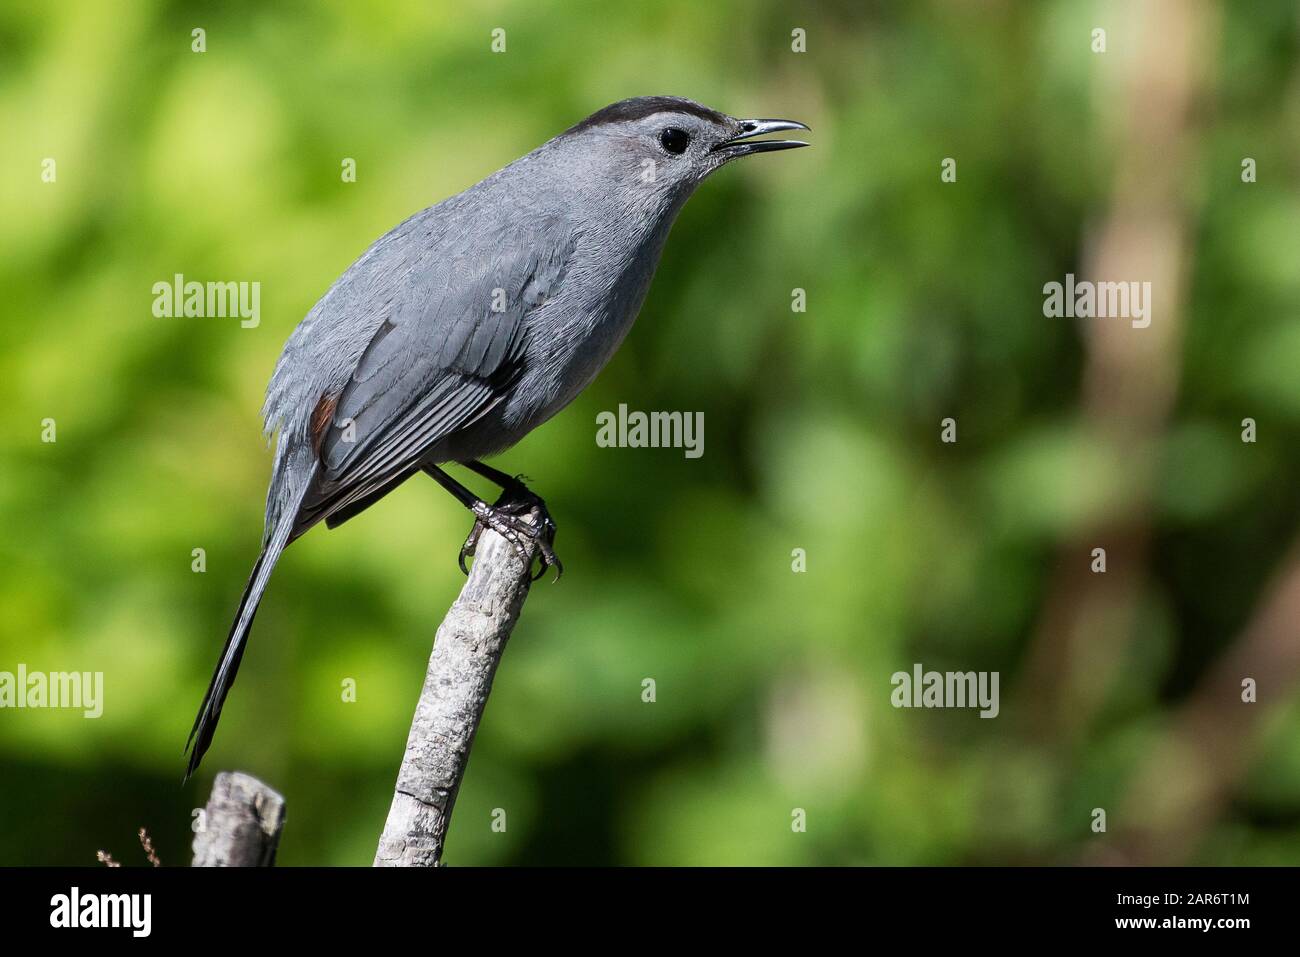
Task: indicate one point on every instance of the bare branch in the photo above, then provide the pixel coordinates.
(241, 825)
(466, 652)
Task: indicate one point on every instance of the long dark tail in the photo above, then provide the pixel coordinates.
(205, 725)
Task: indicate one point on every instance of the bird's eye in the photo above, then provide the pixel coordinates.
(674, 140)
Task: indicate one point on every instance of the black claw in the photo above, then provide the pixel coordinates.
(508, 519)
(547, 559)
(553, 561)
(470, 546)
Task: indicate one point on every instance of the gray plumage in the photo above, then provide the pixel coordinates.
(474, 321)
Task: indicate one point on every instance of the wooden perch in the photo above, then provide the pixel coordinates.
(466, 652)
(241, 825)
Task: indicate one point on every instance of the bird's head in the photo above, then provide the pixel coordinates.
(662, 147)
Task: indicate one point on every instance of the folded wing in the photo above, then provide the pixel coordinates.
(450, 351)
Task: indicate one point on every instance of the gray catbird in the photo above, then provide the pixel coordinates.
(472, 323)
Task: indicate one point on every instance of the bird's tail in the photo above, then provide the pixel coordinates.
(206, 722)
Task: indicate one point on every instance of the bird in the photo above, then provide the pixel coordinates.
(470, 324)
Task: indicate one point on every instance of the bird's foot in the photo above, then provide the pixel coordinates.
(518, 515)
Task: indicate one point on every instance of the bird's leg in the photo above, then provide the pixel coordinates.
(518, 498)
(496, 476)
(508, 517)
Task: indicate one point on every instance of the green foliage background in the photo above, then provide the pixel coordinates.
(924, 300)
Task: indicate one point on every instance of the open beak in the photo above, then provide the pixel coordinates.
(743, 143)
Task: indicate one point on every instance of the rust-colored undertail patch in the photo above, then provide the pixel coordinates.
(321, 417)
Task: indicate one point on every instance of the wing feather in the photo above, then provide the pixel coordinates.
(447, 354)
